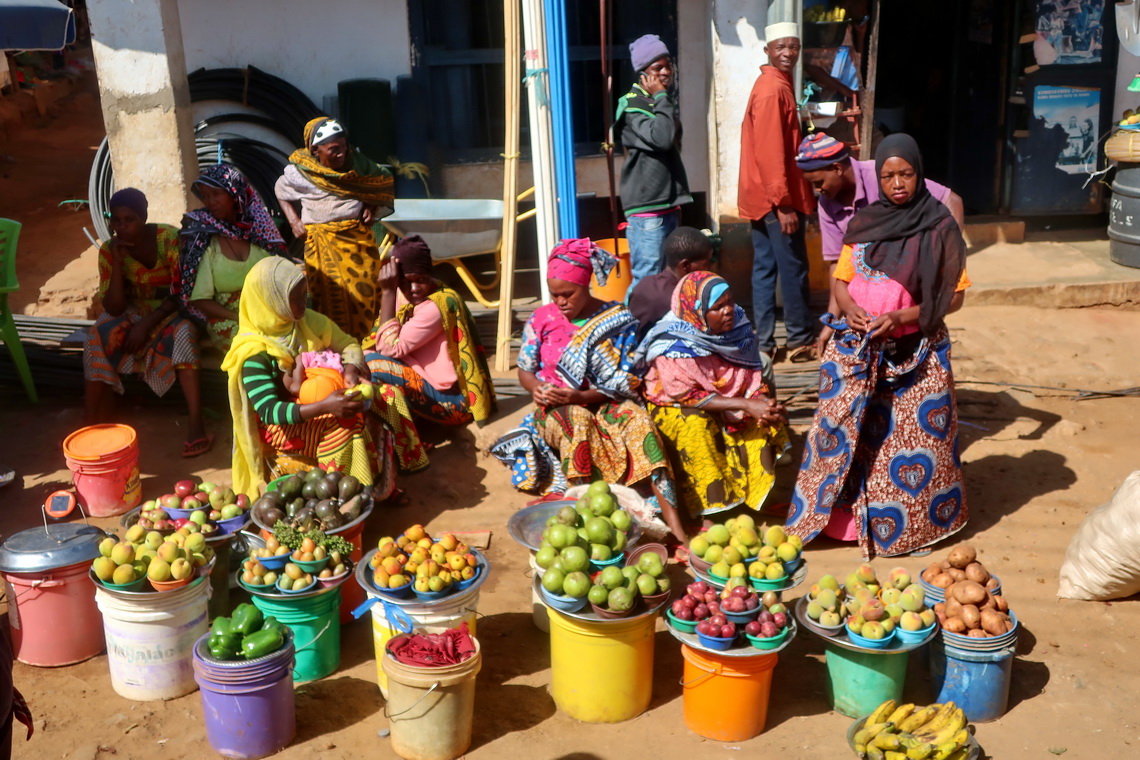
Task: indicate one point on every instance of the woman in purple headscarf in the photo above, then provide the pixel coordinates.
(577, 361)
(140, 330)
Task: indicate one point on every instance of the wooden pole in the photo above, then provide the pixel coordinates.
(867, 106)
(512, 66)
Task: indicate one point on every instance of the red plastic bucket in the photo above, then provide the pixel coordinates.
(351, 594)
(104, 462)
(37, 602)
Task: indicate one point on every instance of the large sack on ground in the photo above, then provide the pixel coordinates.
(1103, 561)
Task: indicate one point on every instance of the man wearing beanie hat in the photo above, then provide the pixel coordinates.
(773, 194)
(843, 186)
(653, 180)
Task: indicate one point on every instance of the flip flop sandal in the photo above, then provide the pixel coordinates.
(398, 498)
(802, 354)
(198, 447)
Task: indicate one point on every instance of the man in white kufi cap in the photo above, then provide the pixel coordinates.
(774, 195)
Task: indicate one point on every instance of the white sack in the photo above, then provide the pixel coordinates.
(1103, 560)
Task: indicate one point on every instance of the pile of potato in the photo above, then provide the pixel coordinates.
(970, 608)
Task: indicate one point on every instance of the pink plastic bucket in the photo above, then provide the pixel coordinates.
(38, 602)
(104, 462)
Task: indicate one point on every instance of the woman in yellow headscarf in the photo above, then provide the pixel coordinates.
(273, 434)
(341, 193)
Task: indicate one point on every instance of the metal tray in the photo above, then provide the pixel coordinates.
(974, 753)
(843, 642)
(588, 615)
(739, 650)
(526, 525)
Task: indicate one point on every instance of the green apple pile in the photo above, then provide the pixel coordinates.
(876, 608)
(727, 547)
(595, 525)
(148, 553)
(617, 588)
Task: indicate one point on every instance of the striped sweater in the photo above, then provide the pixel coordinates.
(263, 385)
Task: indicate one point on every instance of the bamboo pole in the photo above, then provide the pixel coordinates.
(867, 102)
(512, 66)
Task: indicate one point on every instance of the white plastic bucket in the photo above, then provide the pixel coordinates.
(537, 606)
(151, 637)
(434, 617)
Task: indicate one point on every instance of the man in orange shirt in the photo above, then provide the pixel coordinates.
(774, 195)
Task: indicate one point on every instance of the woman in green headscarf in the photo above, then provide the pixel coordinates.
(341, 193)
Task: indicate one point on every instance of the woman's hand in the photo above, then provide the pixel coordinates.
(368, 215)
(120, 249)
(884, 324)
(857, 318)
(389, 277)
(300, 231)
(765, 410)
(136, 337)
(338, 405)
(824, 336)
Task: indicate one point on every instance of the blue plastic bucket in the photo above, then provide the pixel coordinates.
(977, 681)
(858, 682)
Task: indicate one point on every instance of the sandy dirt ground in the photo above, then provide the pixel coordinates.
(1036, 463)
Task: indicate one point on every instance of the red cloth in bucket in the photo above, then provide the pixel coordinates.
(433, 649)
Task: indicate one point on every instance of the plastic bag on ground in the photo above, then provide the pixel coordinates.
(1103, 560)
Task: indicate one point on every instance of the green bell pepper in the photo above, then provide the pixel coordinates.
(261, 643)
(272, 623)
(225, 647)
(246, 619)
(221, 626)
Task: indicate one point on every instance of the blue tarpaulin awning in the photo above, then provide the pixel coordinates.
(35, 25)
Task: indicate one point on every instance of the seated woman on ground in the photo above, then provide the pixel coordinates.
(576, 360)
(426, 358)
(273, 434)
(707, 394)
(220, 244)
(881, 463)
(140, 330)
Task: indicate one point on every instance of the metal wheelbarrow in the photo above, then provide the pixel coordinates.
(453, 228)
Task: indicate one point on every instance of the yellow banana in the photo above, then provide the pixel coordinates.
(920, 751)
(874, 753)
(948, 750)
(955, 725)
(881, 713)
(892, 755)
(918, 719)
(901, 713)
(868, 732)
(941, 718)
(959, 754)
(886, 740)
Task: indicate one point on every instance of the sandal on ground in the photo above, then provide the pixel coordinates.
(681, 555)
(398, 498)
(802, 354)
(197, 447)
(926, 551)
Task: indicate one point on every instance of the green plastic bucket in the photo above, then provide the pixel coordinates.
(315, 621)
(858, 682)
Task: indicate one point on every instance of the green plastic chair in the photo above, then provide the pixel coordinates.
(9, 234)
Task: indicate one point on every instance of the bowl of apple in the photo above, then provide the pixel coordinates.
(716, 633)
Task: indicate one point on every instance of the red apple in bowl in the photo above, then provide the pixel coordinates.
(184, 488)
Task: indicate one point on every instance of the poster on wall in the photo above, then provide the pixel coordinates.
(1069, 32)
(1059, 153)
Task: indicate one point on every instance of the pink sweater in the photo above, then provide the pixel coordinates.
(419, 343)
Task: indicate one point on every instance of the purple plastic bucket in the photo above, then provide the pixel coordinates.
(248, 705)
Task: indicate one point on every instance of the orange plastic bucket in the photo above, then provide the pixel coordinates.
(351, 594)
(104, 462)
(726, 698)
(620, 277)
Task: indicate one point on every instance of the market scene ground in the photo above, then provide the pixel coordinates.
(1037, 462)
(1044, 411)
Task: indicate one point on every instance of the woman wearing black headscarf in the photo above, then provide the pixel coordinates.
(424, 352)
(881, 461)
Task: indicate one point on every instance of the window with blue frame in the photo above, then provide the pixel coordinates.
(457, 62)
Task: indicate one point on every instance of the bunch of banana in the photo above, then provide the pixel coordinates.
(821, 15)
(910, 732)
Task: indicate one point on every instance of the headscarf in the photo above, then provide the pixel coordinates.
(362, 179)
(911, 243)
(575, 260)
(683, 332)
(413, 254)
(133, 199)
(199, 226)
(266, 324)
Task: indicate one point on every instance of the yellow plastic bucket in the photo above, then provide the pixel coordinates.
(435, 617)
(621, 277)
(601, 672)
